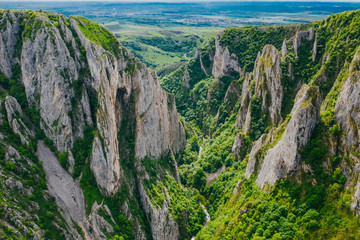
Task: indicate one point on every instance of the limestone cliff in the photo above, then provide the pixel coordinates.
(283, 158)
(14, 118)
(74, 79)
(267, 87)
(224, 61)
(300, 37)
(348, 105)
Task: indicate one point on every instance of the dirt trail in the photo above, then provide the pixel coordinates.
(207, 218)
(210, 177)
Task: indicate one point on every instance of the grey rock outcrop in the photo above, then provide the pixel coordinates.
(244, 115)
(198, 55)
(50, 68)
(158, 130)
(101, 228)
(186, 78)
(348, 105)
(284, 49)
(232, 95)
(267, 70)
(21, 220)
(355, 203)
(2, 117)
(347, 114)
(314, 51)
(302, 36)
(82, 114)
(48, 71)
(238, 145)
(74, 82)
(163, 227)
(14, 115)
(267, 76)
(253, 156)
(8, 39)
(224, 61)
(284, 157)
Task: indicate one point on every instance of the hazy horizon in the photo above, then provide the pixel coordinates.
(180, 1)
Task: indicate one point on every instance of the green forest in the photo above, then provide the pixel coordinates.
(282, 100)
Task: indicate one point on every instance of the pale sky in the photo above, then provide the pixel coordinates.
(188, 0)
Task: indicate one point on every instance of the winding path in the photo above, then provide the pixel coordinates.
(207, 218)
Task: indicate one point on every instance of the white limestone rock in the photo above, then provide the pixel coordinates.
(284, 49)
(243, 116)
(158, 130)
(302, 36)
(49, 71)
(238, 146)
(186, 78)
(253, 156)
(14, 115)
(224, 61)
(163, 227)
(8, 40)
(284, 157)
(347, 108)
(314, 51)
(2, 117)
(101, 228)
(267, 75)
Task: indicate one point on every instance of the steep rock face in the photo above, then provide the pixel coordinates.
(347, 114)
(244, 115)
(186, 78)
(74, 80)
(158, 130)
(21, 220)
(355, 203)
(48, 71)
(25, 220)
(284, 49)
(347, 108)
(2, 117)
(224, 61)
(52, 67)
(8, 40)
(199, 56)
(105, 79)
(284, 157)
(99, 225)
(82, 114)
(302, 36)
(253, 156)
(267, 80)
(237, 146)
(163, 227)
(138, 230)
(267, 70)
(232, 95)
(314, 51)
(14, 115)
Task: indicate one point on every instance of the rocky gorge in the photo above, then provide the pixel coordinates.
(256, 137)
